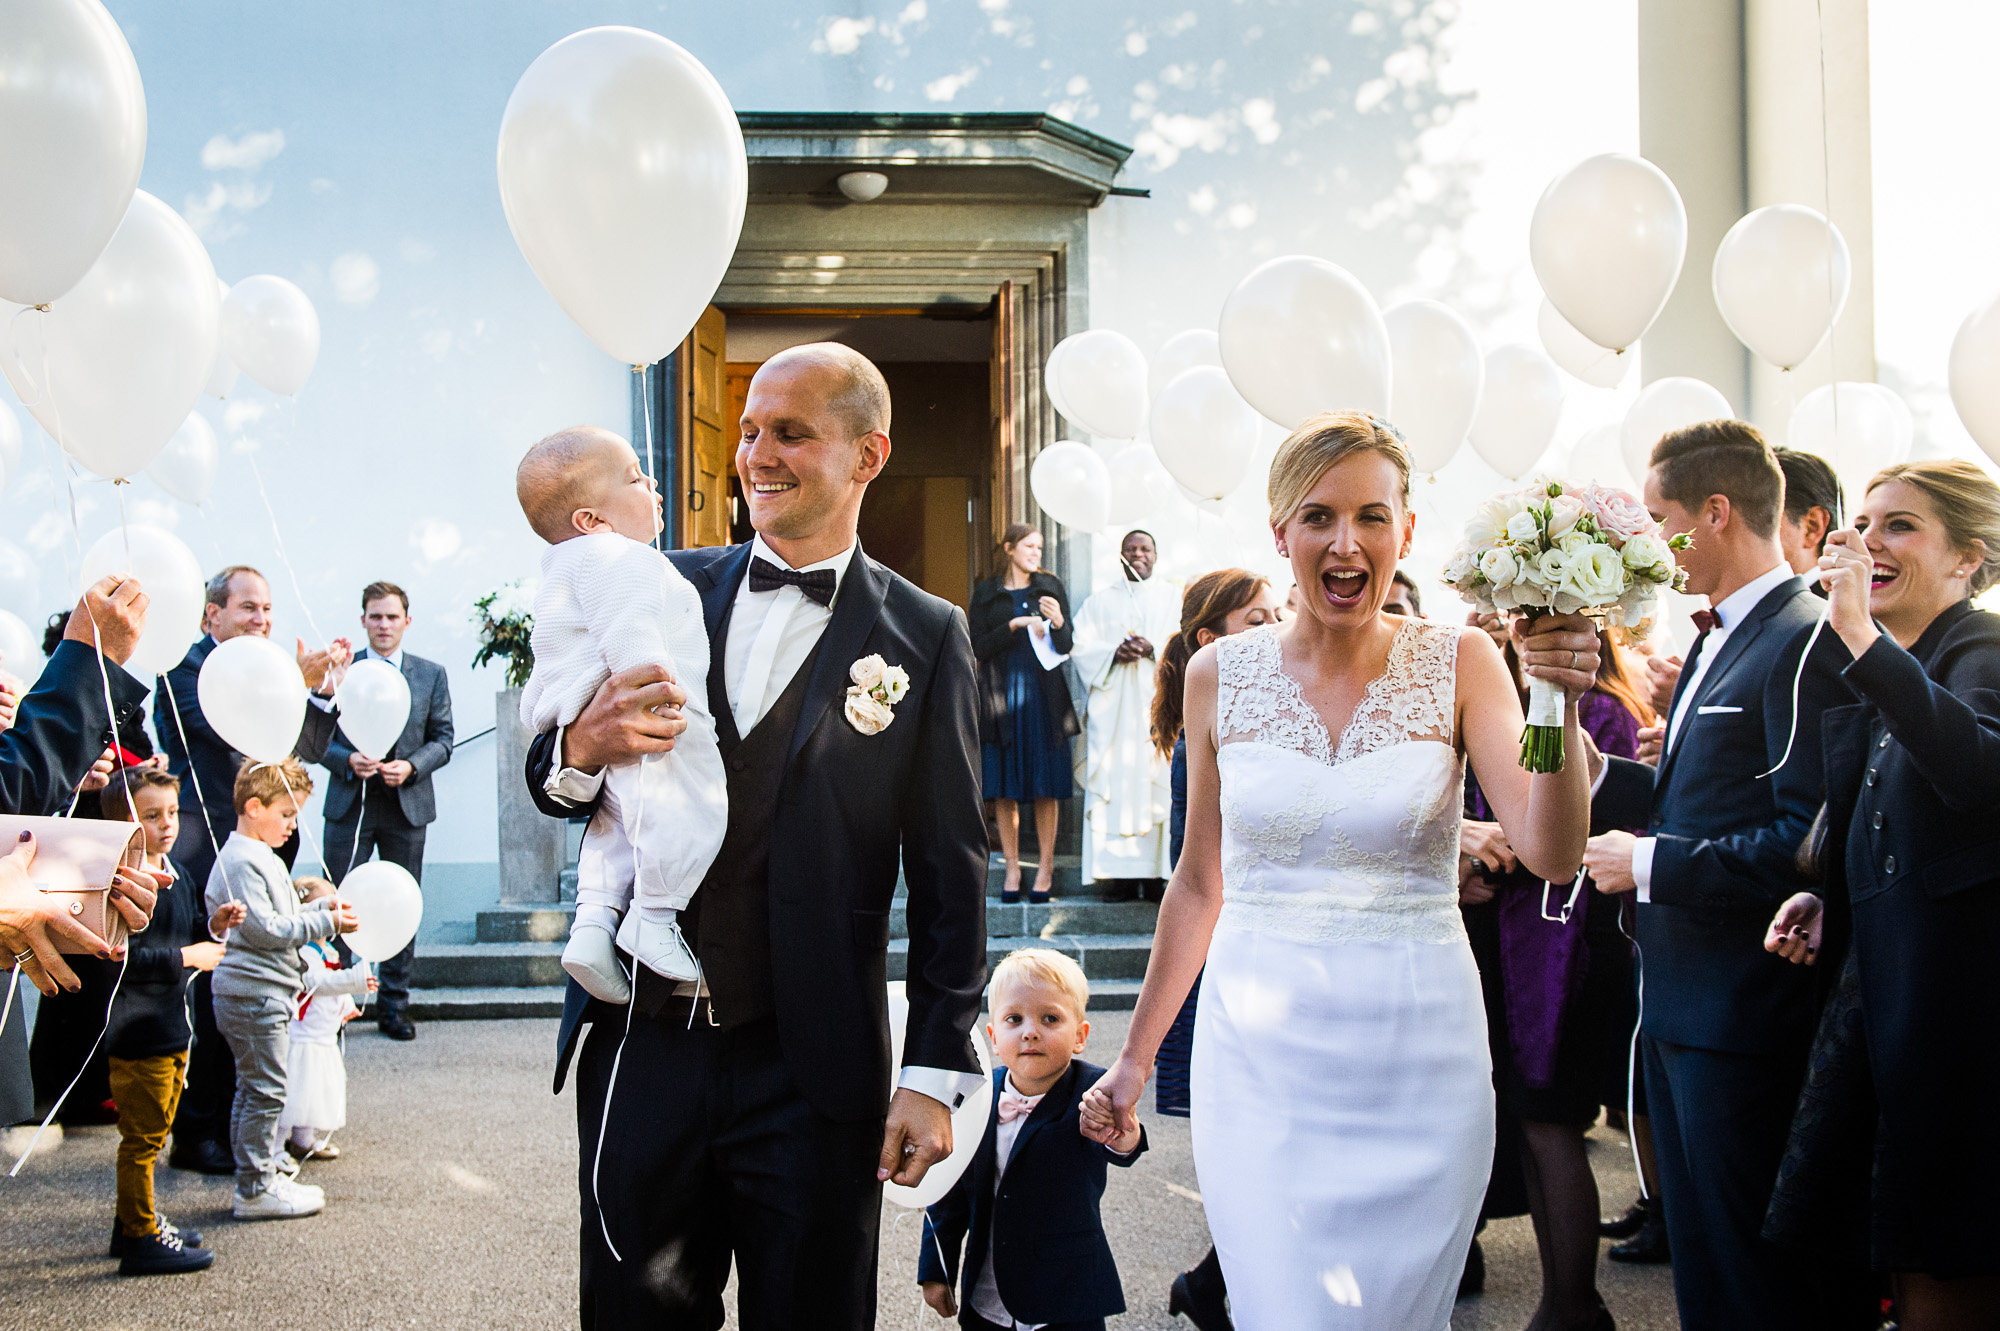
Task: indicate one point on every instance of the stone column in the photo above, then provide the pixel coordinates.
(531, 842)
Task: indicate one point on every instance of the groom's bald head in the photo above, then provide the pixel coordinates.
(846, 380)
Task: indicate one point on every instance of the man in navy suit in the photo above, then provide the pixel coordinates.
(400, 802)
(1725, 1034)
(748, 1118)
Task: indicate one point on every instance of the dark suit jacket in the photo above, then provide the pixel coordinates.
(1728, 837)
(62, 727)
(1051, 1260)
(425, 744)
(207, 764)
(992, 640)
(852, 809)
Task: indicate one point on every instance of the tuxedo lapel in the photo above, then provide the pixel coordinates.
(1726, 657)
(1052, 1107)
(856, 606)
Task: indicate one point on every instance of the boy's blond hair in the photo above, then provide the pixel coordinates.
(1044, 966)
(265, 783)
(309, 886)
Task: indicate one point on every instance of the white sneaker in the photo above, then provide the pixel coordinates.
(591, 959)
(660, 948)
(280, 1199)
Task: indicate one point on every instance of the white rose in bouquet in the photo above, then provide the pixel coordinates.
(1523, 529)
(1564, 511)
(1596, 577)
(1500, 566)
(1551, 567)
(1647, 553)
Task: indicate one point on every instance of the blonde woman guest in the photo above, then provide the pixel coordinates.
(1343, 1099)
(1910, 854)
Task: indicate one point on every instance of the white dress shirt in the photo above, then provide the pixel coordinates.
(1729, 612)
(770, 635)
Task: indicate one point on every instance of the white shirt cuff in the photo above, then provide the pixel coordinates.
(324, 704)
(947, 1088)
(566, 783)
(1642, 868)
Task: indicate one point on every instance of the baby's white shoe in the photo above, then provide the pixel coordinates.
(658, 945)
(591, 959)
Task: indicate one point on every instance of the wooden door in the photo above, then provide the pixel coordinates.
(710, 436)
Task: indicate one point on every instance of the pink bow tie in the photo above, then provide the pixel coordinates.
(1015, 1105)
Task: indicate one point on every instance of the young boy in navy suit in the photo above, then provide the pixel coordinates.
(1037, 1256)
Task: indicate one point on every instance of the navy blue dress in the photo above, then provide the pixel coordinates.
(1031, 761)
(1172, 1065)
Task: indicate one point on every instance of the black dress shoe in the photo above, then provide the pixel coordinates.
(162, 1254)
(1473, 1281)
(1201, 1296)
(190, 1238)
(397, 1027)
(202, 1157)
(1114, 890)
(1648, 1247)
(1010, 898)
(1625, 1226)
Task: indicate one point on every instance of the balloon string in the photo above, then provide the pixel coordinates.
(1826, 608)
(299, 804)
(278, 537)
(201, 802)
(360, 817)
(1826, 203)
(84, 1067)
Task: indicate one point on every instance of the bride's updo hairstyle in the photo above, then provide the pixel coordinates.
(1323, 441)
(1967, 503)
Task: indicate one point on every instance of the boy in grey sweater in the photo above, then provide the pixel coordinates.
(259, 980)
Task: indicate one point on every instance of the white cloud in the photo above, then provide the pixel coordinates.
(1202, 201)
(436, 343)
(842, 36)
(356, 279)
(1260, 117)
(435, 539)
(914, 12)
(48, 532)
(240, 413)
(1077, 86)
(948, 87)
(156, 513)
(1135, 43)
(223, 153)
(207, 213)
(1242, 216)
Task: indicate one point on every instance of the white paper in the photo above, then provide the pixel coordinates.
(1045, 648)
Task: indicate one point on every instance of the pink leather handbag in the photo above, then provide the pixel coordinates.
(75, 861)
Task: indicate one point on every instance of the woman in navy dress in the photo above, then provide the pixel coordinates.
(1026, 718)
(1215, 605)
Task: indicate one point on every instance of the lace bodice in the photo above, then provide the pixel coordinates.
(1326, 843)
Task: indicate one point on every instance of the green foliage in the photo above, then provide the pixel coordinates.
(506, 621)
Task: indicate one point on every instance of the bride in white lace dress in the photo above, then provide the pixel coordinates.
(1342, 1092)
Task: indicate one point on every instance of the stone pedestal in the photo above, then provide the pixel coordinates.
(531, 842)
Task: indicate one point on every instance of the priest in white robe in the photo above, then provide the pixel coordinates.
(1126, 793)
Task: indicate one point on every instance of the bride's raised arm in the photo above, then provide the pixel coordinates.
(1188, 912)
(1546, 816)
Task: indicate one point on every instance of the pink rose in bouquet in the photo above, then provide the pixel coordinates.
(1617, 514)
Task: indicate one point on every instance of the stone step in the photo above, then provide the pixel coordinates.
(1071, 915)
(485, 1003)
(528, 922)
(488, 965)
(1102, 956)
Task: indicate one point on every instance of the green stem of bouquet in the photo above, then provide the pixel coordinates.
(1542, 748)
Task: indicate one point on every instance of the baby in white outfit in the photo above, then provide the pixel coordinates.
(609, 602)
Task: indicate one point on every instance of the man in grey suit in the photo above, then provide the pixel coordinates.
(399, 803)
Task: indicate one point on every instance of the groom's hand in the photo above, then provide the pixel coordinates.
(916, 1136)
(620, 724)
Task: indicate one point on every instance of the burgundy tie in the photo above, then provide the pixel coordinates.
(1705, 620)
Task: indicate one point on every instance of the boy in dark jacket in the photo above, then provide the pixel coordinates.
(1029, 1196)
(148, 1034)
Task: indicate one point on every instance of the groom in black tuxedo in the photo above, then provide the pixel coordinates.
(1724, 1032)
(752, 1119)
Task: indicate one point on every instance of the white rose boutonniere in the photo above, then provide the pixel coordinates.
(876, 689)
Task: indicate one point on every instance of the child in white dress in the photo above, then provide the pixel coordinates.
(608, 602)
(316, 1072)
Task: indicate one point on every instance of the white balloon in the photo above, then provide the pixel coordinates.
(1052, 380)
(1437, 379)
(72, 138)
(1103, 376)
(167, 571)
(20, 583)
(254, 697)
(10, 445)
(1138, 487)
(20, 649)
(374, 706)
(185, 468)
(1300, 336)
(1851, 425)
(1974, 376)
(1518, 409)
(222, 370)
(968, 1121)
(1606, 241)
(115, 366)
(1664, 405)
(1071, 484)
(1595, 365)
(623, 177)
(1595, 459)
(1182, 351)
(271, 332)
(1781, 276)
(388, 906)
(1204, 432)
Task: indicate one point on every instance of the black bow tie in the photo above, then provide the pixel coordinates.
(768, 577)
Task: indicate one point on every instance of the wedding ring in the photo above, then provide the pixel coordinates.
(1572, 659)
(23, 957)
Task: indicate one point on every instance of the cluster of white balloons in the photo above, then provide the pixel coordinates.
(133, 325)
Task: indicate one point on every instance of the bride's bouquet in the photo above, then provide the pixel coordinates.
(1552, 548)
